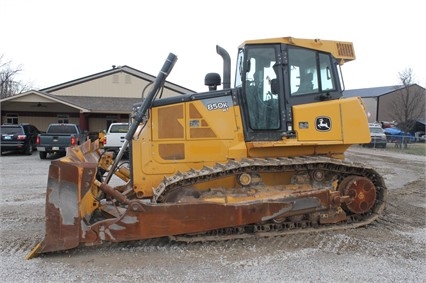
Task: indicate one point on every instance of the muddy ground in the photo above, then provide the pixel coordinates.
(392, 249)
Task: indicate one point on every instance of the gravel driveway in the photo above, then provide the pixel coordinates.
(392, 249)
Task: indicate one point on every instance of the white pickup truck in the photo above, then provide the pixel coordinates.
(115, 136)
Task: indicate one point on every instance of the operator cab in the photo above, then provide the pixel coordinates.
(274, 77)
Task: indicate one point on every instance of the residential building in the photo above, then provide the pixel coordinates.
(93, 102)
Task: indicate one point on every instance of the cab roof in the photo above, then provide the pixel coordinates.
(341, 50)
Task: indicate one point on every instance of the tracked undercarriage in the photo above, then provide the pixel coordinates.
(323, 194)
(271, 197)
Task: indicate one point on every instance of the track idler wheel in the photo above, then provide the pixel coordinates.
(361, 192)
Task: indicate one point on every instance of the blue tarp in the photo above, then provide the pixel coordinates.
(396, 135)
(393, 131)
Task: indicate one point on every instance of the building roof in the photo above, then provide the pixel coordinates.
(116, 105)
(93, 104)
(103, 104)
(422, 121)
(114, 70)
(28, 96)
(371, 91)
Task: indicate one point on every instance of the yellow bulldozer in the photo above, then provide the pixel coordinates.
(265, 157)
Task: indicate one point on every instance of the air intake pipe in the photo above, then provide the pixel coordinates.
(226, 66)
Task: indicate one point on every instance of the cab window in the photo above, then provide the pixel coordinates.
(261, 88)
(307, 67)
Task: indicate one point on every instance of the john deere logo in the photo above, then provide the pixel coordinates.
(323, 124)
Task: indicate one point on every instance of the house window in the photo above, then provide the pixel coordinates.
(63, 119)
(12, 118)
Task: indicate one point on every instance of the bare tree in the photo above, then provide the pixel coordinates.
(9, 85)
(409, 103)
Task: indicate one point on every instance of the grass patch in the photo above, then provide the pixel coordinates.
(412, 148)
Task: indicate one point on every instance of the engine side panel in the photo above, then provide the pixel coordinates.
(186, 135)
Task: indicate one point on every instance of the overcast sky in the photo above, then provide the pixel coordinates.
(58, 41)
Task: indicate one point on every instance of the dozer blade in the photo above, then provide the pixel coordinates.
(69, 179)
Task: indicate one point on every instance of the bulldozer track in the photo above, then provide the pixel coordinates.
(337, 167)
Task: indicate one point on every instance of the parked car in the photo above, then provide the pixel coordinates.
(58, 138)
(18, 138)
(378, 137)
(115, 136)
